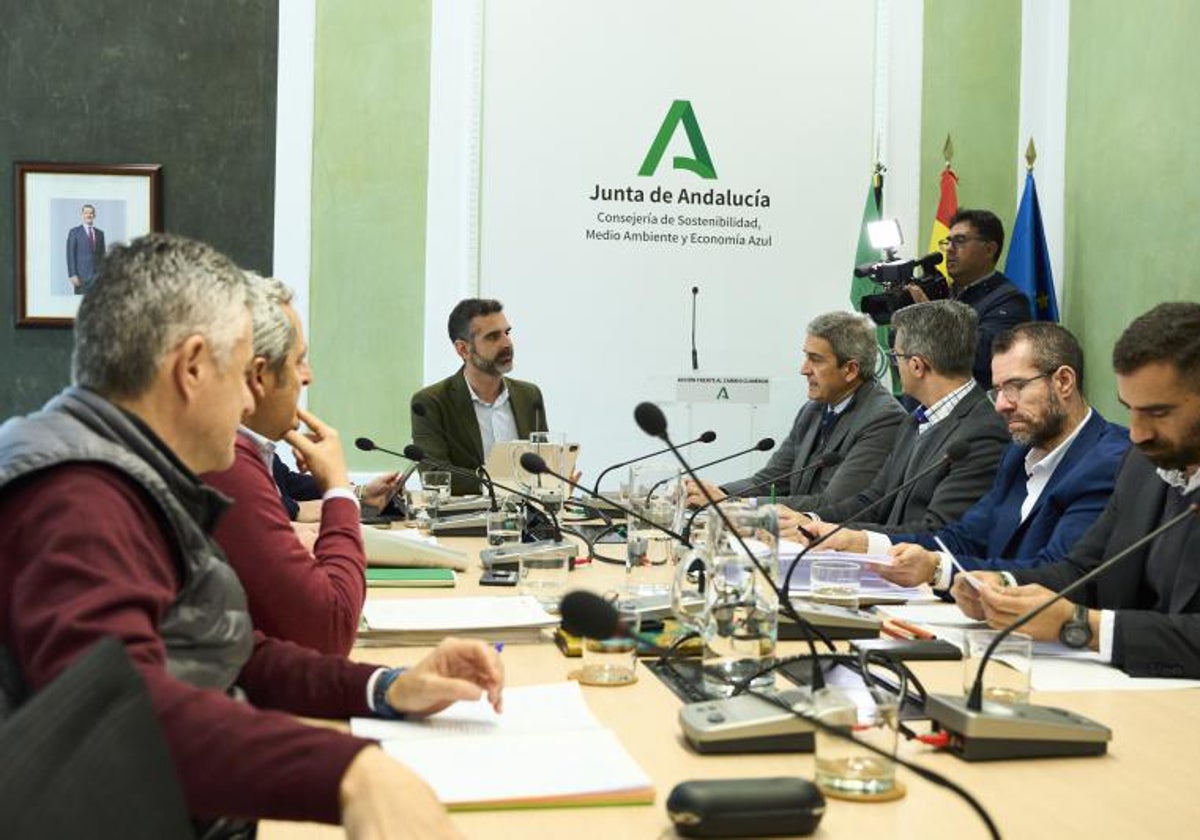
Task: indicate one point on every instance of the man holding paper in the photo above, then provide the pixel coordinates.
(1053, 480)
(1143, 615)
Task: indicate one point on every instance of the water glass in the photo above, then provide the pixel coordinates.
(835, 582)
(656, 497)
(437, 481)
(1006, 678)
(613, 661)
(504, 526)
(543, 574)
(845, 768)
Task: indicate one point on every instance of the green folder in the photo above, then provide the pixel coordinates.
(392, 576)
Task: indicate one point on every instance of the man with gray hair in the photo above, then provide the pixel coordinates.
(107, 534)
(848, 413)
(934, 352)
(313, 598)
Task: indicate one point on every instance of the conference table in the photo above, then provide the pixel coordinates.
(1146, 786)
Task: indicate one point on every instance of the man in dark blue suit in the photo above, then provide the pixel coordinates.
(85, 247)
(1052, 482)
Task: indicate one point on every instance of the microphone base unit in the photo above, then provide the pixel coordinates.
(509, 556)
(459, 525)
(748, 724)
(1021, 730)
(838, 623)
(465, 504)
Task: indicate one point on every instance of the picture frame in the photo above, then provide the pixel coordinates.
(59, 246)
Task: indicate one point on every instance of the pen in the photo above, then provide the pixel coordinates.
(498, 647)
(915, 631)
(970, 578)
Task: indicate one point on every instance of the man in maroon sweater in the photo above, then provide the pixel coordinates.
(106, 533)
(310, 597)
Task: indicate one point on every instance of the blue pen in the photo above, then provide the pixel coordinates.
(499, 647)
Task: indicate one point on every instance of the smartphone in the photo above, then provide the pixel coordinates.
(498, 577)
(909, 649)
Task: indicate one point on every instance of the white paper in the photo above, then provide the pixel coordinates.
(454, 614)
(1075, 674)
(546, 744)
(935, 615)
(386, 547)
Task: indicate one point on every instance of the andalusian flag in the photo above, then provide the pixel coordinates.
(947, 207)
(1028, 263)
(860, 286)
(873, 212)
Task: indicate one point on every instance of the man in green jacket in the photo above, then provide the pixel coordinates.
(458, 420)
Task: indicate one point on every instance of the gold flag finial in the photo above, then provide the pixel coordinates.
(948, 151)
(1030, 155)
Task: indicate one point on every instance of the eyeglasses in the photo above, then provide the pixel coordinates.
(1012, 388)
(958, 241)
(895, 357)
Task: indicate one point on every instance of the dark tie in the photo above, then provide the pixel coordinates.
(920, 416)
(92, 238)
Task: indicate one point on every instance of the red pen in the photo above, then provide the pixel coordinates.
(917, 632)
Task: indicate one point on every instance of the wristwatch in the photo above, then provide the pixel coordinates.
(1076, 632)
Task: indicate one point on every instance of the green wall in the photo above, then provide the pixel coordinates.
(370, 153)
(1132, 169)
(971, 86)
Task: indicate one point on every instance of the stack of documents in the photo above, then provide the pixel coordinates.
(409, 548)
(425, 621)
(545, 750)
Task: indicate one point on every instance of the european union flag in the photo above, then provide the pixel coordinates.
(1028, 263)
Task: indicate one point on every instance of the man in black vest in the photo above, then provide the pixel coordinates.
(1143, 615)
(972, 249)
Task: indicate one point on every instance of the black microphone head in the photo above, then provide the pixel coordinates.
(958, 450)
(587, 614)
(832, 459)
(364, 443)
(766, 445)
(708, 437)
(651, 420)
(695, 290)
(418, 408)
(414, 453)
(534, 463)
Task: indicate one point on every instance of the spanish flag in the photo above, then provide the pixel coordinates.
(947, 207)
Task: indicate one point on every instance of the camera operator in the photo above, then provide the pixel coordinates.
(972, 249)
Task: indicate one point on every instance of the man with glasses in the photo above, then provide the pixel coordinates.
(972, 250)
(1053, 480)
(935, 345)
(1142, 615)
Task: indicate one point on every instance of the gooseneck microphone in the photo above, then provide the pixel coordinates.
(652, 421)
(536, 464)
(954, 452)
(587, 614)
(1027, 730)
(706, 437)
(825, 460)
(764, 445)
(695, 355)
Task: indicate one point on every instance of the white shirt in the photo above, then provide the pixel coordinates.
(266, 451)
(497, 423)
(1040, 466)
(941, 409)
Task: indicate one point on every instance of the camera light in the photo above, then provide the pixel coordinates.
(885, 234)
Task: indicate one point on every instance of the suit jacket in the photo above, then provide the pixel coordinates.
(82, 260)
(449, 431)
(294, 487)
(1157, 627)
(991, 535)
(943, 495)
(999, 305)
(863, 435)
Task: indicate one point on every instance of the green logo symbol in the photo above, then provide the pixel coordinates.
(723, 394)
(700, 162)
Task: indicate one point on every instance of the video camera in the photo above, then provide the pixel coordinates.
(894, 277)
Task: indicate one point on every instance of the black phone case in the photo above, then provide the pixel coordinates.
(783, 805)
(909, 649)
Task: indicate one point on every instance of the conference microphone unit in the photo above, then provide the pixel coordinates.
(744, 723)
(824, 461)
(695, 355)
(651, 420)
(843, 622)
(706, 437)
(764, 445)
(536, 464)
(984, 731)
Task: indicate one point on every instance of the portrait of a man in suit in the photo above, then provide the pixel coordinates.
(85, 247)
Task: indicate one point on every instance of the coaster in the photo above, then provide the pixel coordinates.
(577, 675)
(898, 791)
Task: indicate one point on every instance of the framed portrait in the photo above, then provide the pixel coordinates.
(68, 216)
